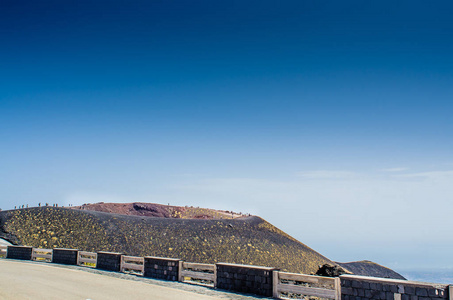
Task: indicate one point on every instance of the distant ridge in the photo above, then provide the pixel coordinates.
(369, 268)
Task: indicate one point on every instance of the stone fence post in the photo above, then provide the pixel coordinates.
(109, 261)
(161, 268)
(245, 279)
(353, 286)
(19, 252)
(65, 256)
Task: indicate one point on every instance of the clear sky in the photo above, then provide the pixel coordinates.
(330, 119)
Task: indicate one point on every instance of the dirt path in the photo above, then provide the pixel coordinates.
(32, 280)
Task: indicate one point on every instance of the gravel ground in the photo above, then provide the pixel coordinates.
(201, 290)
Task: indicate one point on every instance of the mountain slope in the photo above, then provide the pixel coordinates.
(246, 240)
(159, 210)
(369, 268)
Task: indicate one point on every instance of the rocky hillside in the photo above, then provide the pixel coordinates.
(189, 233)
(244, 240)
(159, 210)
(369, 268)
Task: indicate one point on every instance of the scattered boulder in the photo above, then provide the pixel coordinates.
(330, 270)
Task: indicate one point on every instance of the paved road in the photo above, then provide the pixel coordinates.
(32, 280)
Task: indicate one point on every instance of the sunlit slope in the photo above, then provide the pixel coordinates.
(143, 209)
(369, 268)
(248, 240)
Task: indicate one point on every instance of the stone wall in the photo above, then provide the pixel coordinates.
(109, 261)
(245, 279)
(65, 256)
(364, 288)
(19, 252)
(161, 268)
(257, 280)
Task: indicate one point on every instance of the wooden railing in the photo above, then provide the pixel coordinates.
(284, 285)
(290, 285)
(87, 259)
(3, 250)
(41, 254)
(132, 264)
(197, 273)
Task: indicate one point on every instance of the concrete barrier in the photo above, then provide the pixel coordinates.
(262, 281)
(199, 273)
(87, 259)
(132, 264)
(40, 254)
(286, 285)
(3, 250)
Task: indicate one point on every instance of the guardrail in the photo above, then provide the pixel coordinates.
(132, 264)
(290, 285)
(3, 250)
(87, 259)
(197, 273)
(263, 281)
(41, 254)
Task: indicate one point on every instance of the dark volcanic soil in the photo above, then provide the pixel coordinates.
(158, 210)
(188, 233)
(369, 268)
(245, 240)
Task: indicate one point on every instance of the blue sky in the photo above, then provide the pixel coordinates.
(330, 119)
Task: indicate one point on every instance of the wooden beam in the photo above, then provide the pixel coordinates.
(84, 253)
(198, 275)
(180, 269)
(136, 259)
(307, 291)
(215, 276)
(132, 267)
(36, 255)
(201, 267)
(337, 288)
(275, 282)
(307, 278)
(87, 260)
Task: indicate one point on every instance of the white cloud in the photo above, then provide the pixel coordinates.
(432, 175)
(392, 170)
(326, 174)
